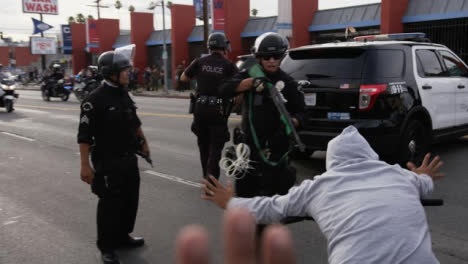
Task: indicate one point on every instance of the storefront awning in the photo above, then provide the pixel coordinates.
(340, 18)
(429, 10)
(122, 40)
(259, 25)
(156, 38)
(197, 34)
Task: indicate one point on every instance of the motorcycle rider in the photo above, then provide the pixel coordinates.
(210, 113)
(52, 79)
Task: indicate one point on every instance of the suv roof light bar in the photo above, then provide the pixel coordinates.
(398, 36)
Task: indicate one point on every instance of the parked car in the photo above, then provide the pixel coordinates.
(402, 92)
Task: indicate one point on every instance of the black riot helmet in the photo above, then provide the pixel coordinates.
(113, 62)
(218, 41)
(270, 44)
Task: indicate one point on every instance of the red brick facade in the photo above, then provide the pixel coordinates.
(183, 21)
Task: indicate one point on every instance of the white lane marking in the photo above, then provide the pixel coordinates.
(32, 111)
(18, 136)
(16, 217)
(174, 178)
(9, 222)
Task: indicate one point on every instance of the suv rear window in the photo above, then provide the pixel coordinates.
(385, 63)
(344, 63)
(325, 63)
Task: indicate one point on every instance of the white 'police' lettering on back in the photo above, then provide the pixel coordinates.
(211, 69)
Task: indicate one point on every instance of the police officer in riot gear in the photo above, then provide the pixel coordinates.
(262, 129)
(110, 131)
(210, 110)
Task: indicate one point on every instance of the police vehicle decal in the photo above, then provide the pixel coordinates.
(398, 88)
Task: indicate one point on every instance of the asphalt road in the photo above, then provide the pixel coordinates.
(47, 215)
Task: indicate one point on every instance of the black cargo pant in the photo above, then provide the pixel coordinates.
(117, 184)
(212, 133)
(264, 179)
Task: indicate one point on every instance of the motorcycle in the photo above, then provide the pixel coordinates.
(83, 87)
(61, 88)
(8, 95)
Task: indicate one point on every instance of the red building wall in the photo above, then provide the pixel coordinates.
(78, 32)
(108, 30)
(24, 56)
(4, 56)
(237, 13)
(303, 12)
(392, 11)
(141, 28)
(183, 21)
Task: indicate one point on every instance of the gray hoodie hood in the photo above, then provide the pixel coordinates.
(348, 148)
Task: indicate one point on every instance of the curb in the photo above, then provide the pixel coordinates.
(162, 96)
(134, 94)
(29, 89)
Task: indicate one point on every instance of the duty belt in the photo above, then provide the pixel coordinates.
(209, 100)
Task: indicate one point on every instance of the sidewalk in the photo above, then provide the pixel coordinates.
(140, 92)
(160, 93)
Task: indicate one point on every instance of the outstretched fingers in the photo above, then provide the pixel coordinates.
(239, 237)
(277, 246)
(411, 166)
(192, 246)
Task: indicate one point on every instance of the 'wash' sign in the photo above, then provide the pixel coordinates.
(49, 7)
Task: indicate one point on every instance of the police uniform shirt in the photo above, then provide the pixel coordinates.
(265, 115)
(108, 119)
(210, 72)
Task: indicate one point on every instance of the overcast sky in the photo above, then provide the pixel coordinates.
(14, 23)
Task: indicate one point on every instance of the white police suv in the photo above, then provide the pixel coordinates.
(401, 91)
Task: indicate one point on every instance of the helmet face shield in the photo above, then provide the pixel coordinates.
(270, 44)
(123, 56)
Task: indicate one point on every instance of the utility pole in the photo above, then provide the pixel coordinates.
(98, 6)
(164, 53)
(43, 58)
(205, 25)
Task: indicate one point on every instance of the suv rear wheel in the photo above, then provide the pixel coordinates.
(414, 144)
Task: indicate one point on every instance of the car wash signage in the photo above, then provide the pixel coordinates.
(43, 45)
(92, 36)
(218, 14)
(49, 7)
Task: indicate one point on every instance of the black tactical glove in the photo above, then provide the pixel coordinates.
(259, 83)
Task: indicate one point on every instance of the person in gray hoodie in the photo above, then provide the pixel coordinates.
(368, 210)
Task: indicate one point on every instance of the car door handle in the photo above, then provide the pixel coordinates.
(427, 87)
(461, 86)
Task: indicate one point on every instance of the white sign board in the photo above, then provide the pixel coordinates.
(284, 21)
(49, 7)
(43, 45)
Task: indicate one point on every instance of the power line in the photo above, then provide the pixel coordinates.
(98, 6)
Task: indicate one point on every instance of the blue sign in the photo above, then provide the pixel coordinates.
(199, 8)
(67, 39)
(40, 26)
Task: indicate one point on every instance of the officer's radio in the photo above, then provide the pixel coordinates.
(193, 101)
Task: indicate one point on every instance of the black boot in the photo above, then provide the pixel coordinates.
(109, 257)
(132, 242)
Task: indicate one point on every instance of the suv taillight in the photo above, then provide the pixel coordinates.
(368, 95)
